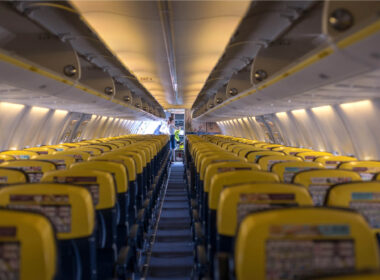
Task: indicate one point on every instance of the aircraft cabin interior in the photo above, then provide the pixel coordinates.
(190, 140)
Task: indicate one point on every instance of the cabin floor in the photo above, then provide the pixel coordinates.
(171, 254)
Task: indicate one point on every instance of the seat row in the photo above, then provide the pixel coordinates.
(277, 212)
(79, 210)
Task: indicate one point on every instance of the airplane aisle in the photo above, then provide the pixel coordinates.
(172, 252)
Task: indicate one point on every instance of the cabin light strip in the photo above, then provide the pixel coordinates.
(324, 108)
(15, 106)
(352, 39)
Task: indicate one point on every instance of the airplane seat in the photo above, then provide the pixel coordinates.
(137, 158)
(130, 167)
(319, 181)
(312, 155)
(78, 155)
(103, 193)
(10, 176)
(19, 154)
(119, 175)
(241, 200)
(331, 162)
(254, 156)
(33, 168)
(266, 162)
(366, 168)
(364, 197)
(61, 162)
(292, 243)
(286, 170)
(219, 182)
(70, 210)
(28, 246)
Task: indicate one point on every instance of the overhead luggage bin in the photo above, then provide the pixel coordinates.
(53, 66)
(339, 54)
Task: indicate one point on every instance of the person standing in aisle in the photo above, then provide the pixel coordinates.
(172, 129)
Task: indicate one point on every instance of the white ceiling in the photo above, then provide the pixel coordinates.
(166, 44)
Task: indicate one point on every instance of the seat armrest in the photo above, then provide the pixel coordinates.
(195, 215)
(135, 237)
(125, 264)
(201, 262)
(198, 233)
(222, 266)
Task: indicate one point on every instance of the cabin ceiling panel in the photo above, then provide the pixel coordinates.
(170, 46)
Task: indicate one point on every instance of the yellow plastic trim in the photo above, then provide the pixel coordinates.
(142, 152)
(254, 156)
(360, 35)
(107, 190)
(6, 158)
(26, 165)
(20, 154)
(242, 153)
(227, 222)
(310, 156)
(128, 162)
(305, 178)
(362, 167)
(57, 159)
(341, 195)
(93, 151)
(254, 232)
(333, 161)
(12, 176)
(38, 251)
(224, 166)
(297, 166)
(291, 150)
(266, 162)
(230, 179)
(82, 209)
(42, 150)
(75, 153)
(135, 156)
(116, 169)
(206, 161)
